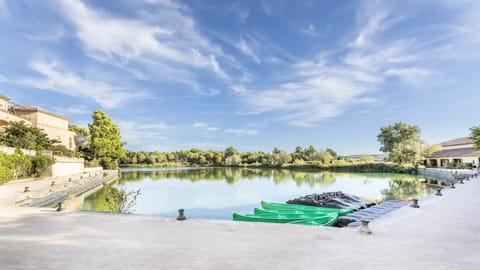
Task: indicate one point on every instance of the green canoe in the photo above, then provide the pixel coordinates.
(281, 218)
(313, 213)
(285, 206)
(317, 221)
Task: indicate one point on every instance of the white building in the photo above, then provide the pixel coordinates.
(456, 152)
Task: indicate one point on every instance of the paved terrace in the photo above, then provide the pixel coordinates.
(442, 234)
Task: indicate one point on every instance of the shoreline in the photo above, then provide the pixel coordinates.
(46, 192)
(441, 234)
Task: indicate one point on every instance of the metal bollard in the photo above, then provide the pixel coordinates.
(52, 184)
(364, 227)
(461, 181)
(452, 185)
(439, 192)
(27, 189)
(59, 207)
(180, 214)
(415, 204)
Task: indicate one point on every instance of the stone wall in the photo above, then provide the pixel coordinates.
(11, 150)
(67, 166)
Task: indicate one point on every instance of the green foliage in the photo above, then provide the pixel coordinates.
(120, 201)
(402, 143)
(18, 134)
(19, 165)
(367, 158)
(105, 140)
(40, 164)
(475, 136)
(280, 157)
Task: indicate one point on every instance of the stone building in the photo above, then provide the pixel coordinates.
(455, 153)
(55, 126)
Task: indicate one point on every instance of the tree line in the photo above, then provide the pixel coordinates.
(233, 157)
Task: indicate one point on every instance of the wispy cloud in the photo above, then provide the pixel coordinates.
(143, 135)
(328, 84)
(61, 80)
(168, 40)
(245, 132)
(75, 109)
(205, 126)
(310, 30)
(248, 50)
(3, 9)
(3, 78)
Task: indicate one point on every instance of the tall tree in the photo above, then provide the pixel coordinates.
(106, 143)
(402, 143)
(475, 136)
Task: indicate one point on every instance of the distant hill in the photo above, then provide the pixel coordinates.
(376, 157)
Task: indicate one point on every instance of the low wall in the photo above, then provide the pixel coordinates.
(11, 150)
(93, 169)
(67, 166)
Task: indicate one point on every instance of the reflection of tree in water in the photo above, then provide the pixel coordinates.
(113, 199)
(405, 189)
(401, 185)
(233, 175)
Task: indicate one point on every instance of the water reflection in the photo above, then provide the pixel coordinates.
(217, 192)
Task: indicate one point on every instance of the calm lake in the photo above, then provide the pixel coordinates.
(216, 193)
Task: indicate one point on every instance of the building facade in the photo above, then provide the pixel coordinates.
(55, 126)
(455, 153)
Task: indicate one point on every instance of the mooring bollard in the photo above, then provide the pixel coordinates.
(27, 189)
(70, 179)
(452, 185)
(52, 184)
(439, 192)
(461, 181)
(180, 214)
(415, 204)
(364, 227)
(59, 207)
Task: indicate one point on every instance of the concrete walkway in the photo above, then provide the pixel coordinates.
(442, 234)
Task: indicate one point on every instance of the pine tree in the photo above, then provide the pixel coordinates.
(105, 140)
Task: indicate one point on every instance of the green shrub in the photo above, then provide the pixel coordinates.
(19, 165)
(6, 174)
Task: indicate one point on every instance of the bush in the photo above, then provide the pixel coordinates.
(19, 165)
(6, 174)
(92, 163)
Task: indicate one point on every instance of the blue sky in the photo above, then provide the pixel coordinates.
(252, 74)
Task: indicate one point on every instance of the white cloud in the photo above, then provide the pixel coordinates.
(75, 109)
(64, 81)
(143, 135)
(330, 83)
(310, 30)
(248, 51)
(205, 126)
(247, 132)
(412, 75)
(3, 79)
(3, 9)
(164, 37)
